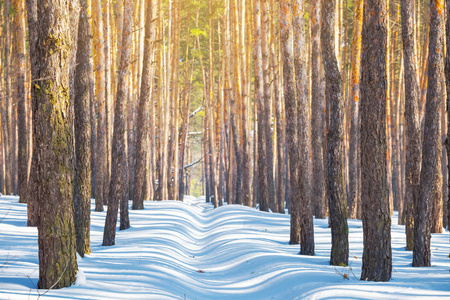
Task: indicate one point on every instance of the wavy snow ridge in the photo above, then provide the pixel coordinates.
(189, 250)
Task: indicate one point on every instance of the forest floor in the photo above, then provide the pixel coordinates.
(188, 250)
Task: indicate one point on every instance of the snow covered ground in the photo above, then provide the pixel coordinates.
(177, 250)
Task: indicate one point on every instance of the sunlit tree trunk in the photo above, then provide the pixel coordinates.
(23, 145)
(430, 176)
(53, 145)
(354, 155)
(413, 136)
(101, 151)
(317, 117)
(118, 187)
(303, 200)
(335, 140)
(82, 179)
(143, 124)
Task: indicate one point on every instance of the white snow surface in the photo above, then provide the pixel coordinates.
(188, 250)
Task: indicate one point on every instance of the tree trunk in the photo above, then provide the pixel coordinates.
(447, 80)
(23, 171)
(53, 145)
(318, 116)
(354, 155)
(32, 201)
(377, 253)
(335, 140)
(82, 180)
(143, 125)
(291, 115)
(303, 133)
(430, 175)
(118, 187)
(101, 151)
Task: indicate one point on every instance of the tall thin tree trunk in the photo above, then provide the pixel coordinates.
(303, 133)
(430, 175)
(337, 200)
(101, 151)
(413, 131)
(354, 155)
(143, 125)
(82, 179)
(23, 172)
(118, 187)
(318, 116)
(377, 253)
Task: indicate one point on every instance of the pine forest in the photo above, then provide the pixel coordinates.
(224, 149)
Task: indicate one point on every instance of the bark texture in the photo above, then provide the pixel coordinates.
(318, 117)
(413, 132)
(82, 182)
(143, 125)
(291, 115)
(354, 184)
(53, 147)
(303, 133)
(119, 182)
(447, 80)
(23, 142)
(430, 174)
(377, 253)
(32, 204)
(337, 200)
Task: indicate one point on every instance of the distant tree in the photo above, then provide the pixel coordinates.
(82, 180)
(119, 182)
(53, 146)
(337, 200)
(377, 253)
(413, 134)
(430, 175)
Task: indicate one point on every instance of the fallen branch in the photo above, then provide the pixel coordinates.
(196, 111)
(194, 163)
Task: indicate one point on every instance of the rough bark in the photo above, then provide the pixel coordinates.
(337, 200)
(82, 180)
(303, 132)
(119, 182)
(262, 97)
(413, 134)
(53, 146)
(318, 117)
(377, 253)
(23, 145)
(291, 115)
(101, 151)
(430, 175)
(447, 80)
(32, 204)
(143, 125)
(354, 183)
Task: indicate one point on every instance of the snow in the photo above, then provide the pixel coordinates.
(188, 250)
